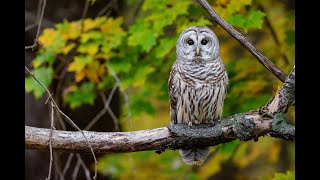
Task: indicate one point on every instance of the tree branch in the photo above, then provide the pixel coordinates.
(245, 126)
(159, 139)
(285, 96)
(244, 41)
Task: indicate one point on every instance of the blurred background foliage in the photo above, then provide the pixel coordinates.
(140, 47)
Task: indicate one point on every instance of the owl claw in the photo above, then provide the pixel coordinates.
(190, 124)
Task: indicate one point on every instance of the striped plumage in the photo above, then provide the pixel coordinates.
(197, 84)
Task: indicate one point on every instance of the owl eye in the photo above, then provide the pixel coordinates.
(204, 41)
(190, 42)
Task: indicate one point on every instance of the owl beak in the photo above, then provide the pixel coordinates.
(198, 51)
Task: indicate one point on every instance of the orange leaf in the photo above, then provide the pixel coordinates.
(80, 75)
(92, 73)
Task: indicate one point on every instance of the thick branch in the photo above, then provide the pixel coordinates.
(285, 96)
(244, 41)
(250, 124)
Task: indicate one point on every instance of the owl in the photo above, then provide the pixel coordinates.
(197, 84)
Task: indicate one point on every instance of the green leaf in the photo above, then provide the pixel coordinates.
(91, 35)
(141, 75)
(289, 175)
(84, 95)
(140, 35)
(63, 27)
(106, 82)
(254, 19)
(154, 4)
(140, 102)
(120, 65)
(236, 5)
(44, 75)
(165, 46)
(42, 58)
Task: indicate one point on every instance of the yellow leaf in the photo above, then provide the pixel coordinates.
(79, 63)
(47, 37)
(92, 73)
(90, 48)
(74, 31)
(112, 25)
(103, 56)
(88, 24)
(80, 75)
(65, 50)
(36, 64)
(101, 71)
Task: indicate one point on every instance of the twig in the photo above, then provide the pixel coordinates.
(76, 170)
(67, 165)
(84, 14)
(103, 110)
(244, 41)
(126, 99)
(39, 27)
(27, 28)
(50, 140)
(107, 106)
(83, 165)
(60, 120)
(105, 8)
(68, 119)
(57, 166)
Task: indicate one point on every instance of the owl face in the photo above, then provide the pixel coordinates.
(198, 42)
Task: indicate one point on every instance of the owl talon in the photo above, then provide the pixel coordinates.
(190, 124)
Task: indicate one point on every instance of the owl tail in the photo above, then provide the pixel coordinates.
(195, 156)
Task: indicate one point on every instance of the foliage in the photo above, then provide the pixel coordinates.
(142, 52)
(289, 175)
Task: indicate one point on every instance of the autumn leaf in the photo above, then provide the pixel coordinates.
(44, 75)
(79, 63)
(93, 71)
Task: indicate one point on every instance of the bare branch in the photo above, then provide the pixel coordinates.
(39, 27)
(244, 41)
(76, 170)
(251, 123)
(105, 10)
(68, 119)
(84, 14)
(67, 165)
(104, 109)
(50, 141)
(84, 167)
(125, 96)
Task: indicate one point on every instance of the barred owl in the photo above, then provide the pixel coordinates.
(197, 84)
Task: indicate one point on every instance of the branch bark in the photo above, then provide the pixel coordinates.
(285, 96)
(245, 126)
(244, 41)
(250, 125)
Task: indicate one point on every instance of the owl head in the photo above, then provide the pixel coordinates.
(197, 42)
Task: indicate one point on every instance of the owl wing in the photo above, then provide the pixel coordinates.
(173, 95)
